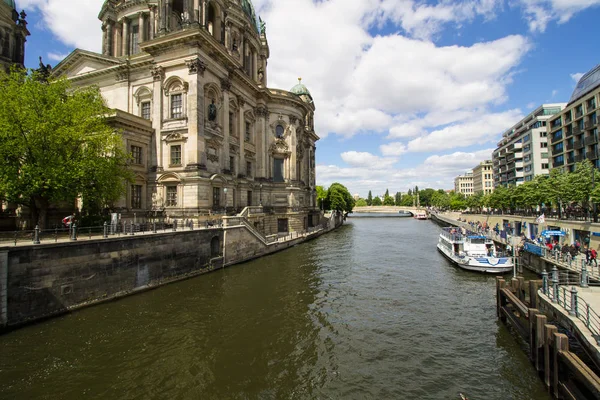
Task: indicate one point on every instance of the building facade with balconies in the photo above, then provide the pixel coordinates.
(464, 184)
(188, 82)
(483, 177)
(573, 134)
(523, 151)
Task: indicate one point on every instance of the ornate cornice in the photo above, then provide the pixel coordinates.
(225, 84)
(158, 72)
(196, 66)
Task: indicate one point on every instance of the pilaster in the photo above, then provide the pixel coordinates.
(158, 74)
(225, 86)
(125, 39)
(242, 130)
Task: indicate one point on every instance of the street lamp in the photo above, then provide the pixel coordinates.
(260, 199)
(595, 216)
(225, 191)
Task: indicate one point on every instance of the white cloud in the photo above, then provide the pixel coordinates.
(393, 149)
(577, 76)
(56, 56)
(366, 160)
(539, 13)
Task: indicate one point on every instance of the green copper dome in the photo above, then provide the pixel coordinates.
(248, 8)
(300, 89)
(11, 3)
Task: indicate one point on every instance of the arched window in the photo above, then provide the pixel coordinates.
(279, 131)
(211, 20)
(215, 247)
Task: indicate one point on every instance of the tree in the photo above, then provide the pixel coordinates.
(387, 193)
(376, 201)
(407, 200)
(388, 201)
(56, 145)
(370, 199)
(398, 199)
(339, 198)
(321, 196)
(361, 203)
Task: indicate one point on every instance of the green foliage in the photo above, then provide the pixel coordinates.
(339, 198)
(56, 145)
(321, 196)
(387, 193)
(388, 201)
(407, 200)
(377, 201)
(370, 199)
(425, 197)
(398, 199)
(361, 203)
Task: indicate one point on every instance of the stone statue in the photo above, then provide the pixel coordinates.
(263, 26)
(212, 111)
(44, 70)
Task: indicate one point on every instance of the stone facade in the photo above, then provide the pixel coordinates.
(13, 35)
(188, 82)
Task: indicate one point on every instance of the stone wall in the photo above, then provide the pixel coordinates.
(45, 280)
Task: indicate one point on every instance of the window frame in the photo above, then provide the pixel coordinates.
(171, 159)
(171, 196)
(136, 196)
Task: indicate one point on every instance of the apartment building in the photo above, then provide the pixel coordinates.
(523, 151)
(574, 131)
(464, 184)
(483, 177)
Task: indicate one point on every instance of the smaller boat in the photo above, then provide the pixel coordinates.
(472, 251)
(421, 215)
(403, 213)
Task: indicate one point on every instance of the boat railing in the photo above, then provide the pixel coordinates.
(454, 237)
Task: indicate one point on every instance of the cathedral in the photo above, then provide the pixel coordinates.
(187, 84)
(13, 34)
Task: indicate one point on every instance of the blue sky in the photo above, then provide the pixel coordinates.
(408, 92)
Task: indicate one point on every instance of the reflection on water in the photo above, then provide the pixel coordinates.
(369, 311)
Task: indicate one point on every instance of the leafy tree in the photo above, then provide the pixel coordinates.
(407, 200)
(388, 201)
(410, 192)
(387, 193)
(425, 197)
(321, 196)
(370, 199)
(56, 145)
(339, 198)
(441, 200)
(398, 199)
(376, 201)
(361, 203)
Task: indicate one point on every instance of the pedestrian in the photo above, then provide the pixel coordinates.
(593, 255)
(587, 256)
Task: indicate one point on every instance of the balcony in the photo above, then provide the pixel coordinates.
(568, 132)
(571, 160)
(556, 138)
(579, 144)
(593, 155)
(578, 114)
(558, 164)
(510, 158)
(579, 157)
(591, 140)
(519, 164)
(589, 124)
(591, 107)
(569, 145)
(576, 130)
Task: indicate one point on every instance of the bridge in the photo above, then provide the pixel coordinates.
(387, 209)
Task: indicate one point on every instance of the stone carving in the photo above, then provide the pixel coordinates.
(158, 72)
(213, 158)
(263, 26)
(293, 119)
(249, 155)
(225, 84)
(196, 66)
(122, 75)
(262, 111)
(300, 152)
(279, 147)
(212, 111)
(261, 76)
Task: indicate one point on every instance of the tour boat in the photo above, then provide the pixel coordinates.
(472, 251)
(421, 215)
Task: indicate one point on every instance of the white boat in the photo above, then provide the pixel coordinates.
(421, 215)
(472, 251)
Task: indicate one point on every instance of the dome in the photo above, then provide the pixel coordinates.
(11, 3)
(249, 11)
(301, 90)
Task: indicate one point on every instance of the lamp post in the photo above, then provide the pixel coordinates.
(260, 199)
(595, 214)
(225, 191)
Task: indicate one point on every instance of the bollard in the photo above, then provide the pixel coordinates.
(36, 235)
(545, 282)
(555, 274)
(131, 227)
(573, 310)
(584, 277)
(154, 226)
(555, 291)
(105, 230)
(74, 232)
(175, 225)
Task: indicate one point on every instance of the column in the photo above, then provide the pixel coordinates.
(157, 159)
(142, 27)
(242, 131)
(203, 14)
(224, 160)
(254, 66)
(119, 39)
(125, 39)
(193, 157)
(152, 33)
(104, 39)
(111, 38)
(293, 157)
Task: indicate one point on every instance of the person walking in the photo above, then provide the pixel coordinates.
(593, 255)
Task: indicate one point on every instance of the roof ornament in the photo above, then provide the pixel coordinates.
(263, 26)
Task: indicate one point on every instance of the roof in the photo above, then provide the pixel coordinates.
(301, 90)
(248, 8)
(11, 3)
(587, 83)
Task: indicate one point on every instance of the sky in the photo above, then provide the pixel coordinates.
(407, 92)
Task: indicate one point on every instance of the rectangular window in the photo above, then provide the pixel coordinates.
(247, 132)
(171, 196)
(231, 124)
(278, 170)
(176, 155)
(544, 166)
(282, 225)
(177, 105)
(232, 164)
(216, 197)
(543, 145)
(136, 154)
(249, 194)
(145, 107)
(136, 196)
(248, 169)
(134, 42)
(544, 155)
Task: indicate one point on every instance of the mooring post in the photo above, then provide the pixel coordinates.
(154, 226)
(540, 322)
(74, 232)
(545, 282)
(175, 225)
(561, 343)
(554, 289)
(584, 276)
(131, 227)
(573, 311)
(555, 273)
(36, 235)
(531, 313)
(105, 235)
(549, 331)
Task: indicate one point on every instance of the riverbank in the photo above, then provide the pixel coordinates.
(45, 280)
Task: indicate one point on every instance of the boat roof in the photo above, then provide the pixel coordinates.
(476, 237)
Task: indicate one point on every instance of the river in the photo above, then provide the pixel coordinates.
(369, 311)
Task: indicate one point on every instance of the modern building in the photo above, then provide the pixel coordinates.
(464, 184)
(523, 151)
(187, 80)
(574, 132)
(13, 34)
(483, 177)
